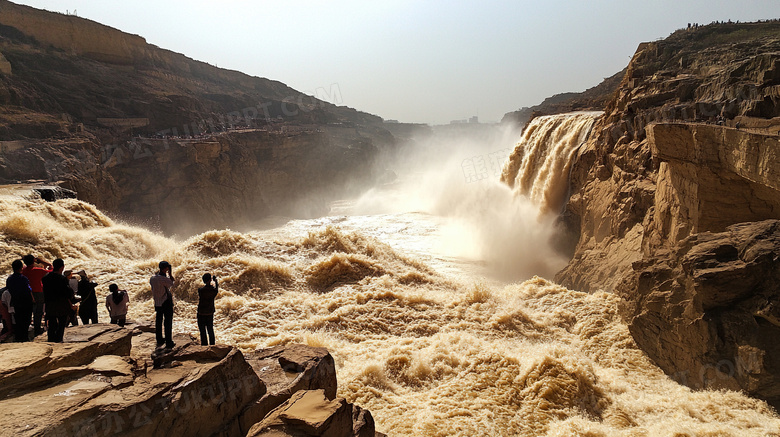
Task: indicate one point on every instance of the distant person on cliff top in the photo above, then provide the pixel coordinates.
(57, 294)
(206, 296)
(88, 310)
(35, 275)
(116, 304)
(21, 300)
(161, 284)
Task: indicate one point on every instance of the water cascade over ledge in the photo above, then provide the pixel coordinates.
(540, 164)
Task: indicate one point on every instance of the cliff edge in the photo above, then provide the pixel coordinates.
(105, 380)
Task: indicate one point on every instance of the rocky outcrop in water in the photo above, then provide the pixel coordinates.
(102, 381)
(311, 413)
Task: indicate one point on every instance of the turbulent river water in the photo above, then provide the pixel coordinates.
(433, 315)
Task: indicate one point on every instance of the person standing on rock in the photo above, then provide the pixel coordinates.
(73, 315)
(161, 284)
(57, 294)
(21, 300)
(206, 296)
(7, 311)
(116, 304)
(35, 275)
(88, 309)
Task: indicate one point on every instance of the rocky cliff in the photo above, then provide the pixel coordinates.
(185, 186)
(692, 76)
(708, 313)
(64, 63)
(157, 137)
(687, 150)
(105, 381)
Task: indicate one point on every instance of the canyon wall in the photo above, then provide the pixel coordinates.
(692, 76)
(157, 138)
(184, 186)
(669, 198)
(75, 35)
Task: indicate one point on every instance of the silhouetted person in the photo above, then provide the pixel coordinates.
(21, 300)
(161, 284)
(57, 294)
(116, 304)
(206, 295)
(88, 310)
(35, 275)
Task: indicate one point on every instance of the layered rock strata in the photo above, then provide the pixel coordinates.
(687, 149)
(692, 76)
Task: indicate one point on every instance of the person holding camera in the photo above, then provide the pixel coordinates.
(206, 310)
(161, 284)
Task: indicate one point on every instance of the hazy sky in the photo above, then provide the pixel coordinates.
(416, 61)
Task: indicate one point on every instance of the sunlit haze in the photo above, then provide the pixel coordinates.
(428, 62)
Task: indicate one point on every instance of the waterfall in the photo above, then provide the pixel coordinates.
(540, 164)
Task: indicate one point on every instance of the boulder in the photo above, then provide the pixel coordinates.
(52, 193)
(286, 370)
(311, 413)
(707, 311)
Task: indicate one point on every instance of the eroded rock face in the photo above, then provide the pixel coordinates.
(94, 384)
(708, 312)
(5, 66)
(710, 177)
(669, 197)
(692, 76)
(193, 185)
(286, 370)
(311, 413)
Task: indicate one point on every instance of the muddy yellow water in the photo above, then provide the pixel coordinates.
(418, 338)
